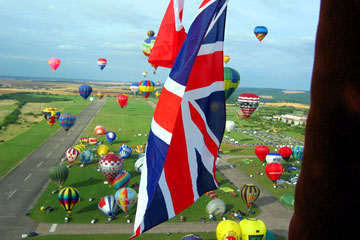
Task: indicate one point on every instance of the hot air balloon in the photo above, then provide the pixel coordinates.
(216, 207)
(86, 156)
(147, 47)
(249, 194)
(100, 130)
(102, 63)
(92, 140)
(51, 120)
(72, 154)
(80, 147)
(261, 152)
(125, 198)
(91, 99)
(146, 87)
(54, 63)
(59, 174)
(111, 165)
(252, 228)
(139, 149)
(125, 151)
(67, 120)
(231, 81)
(157, 94)
(108, 205)
(285, 152)
(274, 171)
(144, 74)
(134, 87)
(273, 158)
(100, 95)
(228, 230)
(68, 197)
(226, 59)
(103, 150)
(192, 237)
(248, 103)
(122, 100)
(260, 32)
(122, 180)
(85, 91)
(83, 140)
(229, 126)
(297, 152)
(110, 136)
(139, 164)
(150, 33)
(49, 111)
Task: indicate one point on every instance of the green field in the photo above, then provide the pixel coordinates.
(127, 123)
(17, 148)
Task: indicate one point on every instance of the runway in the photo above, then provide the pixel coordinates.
(21, 188)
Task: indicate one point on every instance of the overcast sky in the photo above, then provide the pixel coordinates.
(79, 32)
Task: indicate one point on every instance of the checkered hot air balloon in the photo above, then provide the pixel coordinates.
(146, 87)
(67, 120)
(68, 197)
(111, 165)
(125, 198)
(248, 102)
(102, 63)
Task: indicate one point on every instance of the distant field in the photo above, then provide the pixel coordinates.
(6, 107)
(25, 139)
(295, 105)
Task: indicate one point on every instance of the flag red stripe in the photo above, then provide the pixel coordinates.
(179, 182)
(167, 110)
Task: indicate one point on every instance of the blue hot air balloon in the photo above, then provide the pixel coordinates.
(85, 91)
(86, 156)
(67, 120)
(260, 32)
(125, 151)
(110, 136)
(297, 152)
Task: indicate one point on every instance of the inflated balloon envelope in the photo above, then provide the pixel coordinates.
(252, 229)
(228, 229)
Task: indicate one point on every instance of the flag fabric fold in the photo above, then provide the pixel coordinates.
(188, 124)
(170, 36)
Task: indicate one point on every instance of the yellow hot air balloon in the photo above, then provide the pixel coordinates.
(228, 228)
(226, 59)
(103, 149)
(252, 227)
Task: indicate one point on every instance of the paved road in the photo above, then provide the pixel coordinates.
(28, 179)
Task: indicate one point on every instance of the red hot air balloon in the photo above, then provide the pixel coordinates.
(100, 130)
(122, 100)
(274, 171)
(285, 152)
(111, 165)
(248, 102)
(261, 152)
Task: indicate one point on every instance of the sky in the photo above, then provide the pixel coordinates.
(79, 32)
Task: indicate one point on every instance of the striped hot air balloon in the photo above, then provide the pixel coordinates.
(260, 32)
(108, 205)
(231, 81)
(122, 180)
(68, 197)
(72, 154)
(59, 174)
(125, 198)
(248, 102)
(125, 151)
(249, 194)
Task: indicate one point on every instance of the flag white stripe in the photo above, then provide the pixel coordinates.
(178, 7)
(160, 132)
(167, 195)
(211, 48)
(174, 87)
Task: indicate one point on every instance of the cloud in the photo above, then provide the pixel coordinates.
(70, 47)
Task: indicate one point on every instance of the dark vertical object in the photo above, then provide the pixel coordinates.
(327, 193)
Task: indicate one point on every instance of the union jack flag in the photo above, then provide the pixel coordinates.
(188, 124)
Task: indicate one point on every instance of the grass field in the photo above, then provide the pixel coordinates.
(127, 123)
(17, 148)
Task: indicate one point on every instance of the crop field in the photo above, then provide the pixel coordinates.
(131, 125)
